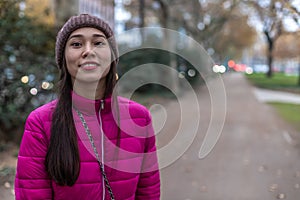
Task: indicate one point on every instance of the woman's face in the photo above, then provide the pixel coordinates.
(88, 55)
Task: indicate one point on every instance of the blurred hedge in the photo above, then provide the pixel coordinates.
(26, 50)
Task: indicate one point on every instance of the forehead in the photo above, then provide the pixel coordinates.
(87, 31)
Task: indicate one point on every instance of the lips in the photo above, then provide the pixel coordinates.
(89, 65)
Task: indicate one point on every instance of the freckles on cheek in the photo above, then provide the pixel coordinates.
(71, 64)
(70, 58)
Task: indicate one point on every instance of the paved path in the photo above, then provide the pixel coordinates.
(256, 157)
(276, 96)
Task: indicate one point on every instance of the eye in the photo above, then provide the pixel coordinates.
(76, 44)
(100, 43)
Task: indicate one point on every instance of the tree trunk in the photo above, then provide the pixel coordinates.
(142, 19)
(142, 13)
(165, 14)
(270, 61)
(269, 53)
(169, 44)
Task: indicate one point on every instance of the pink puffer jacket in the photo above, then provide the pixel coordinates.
(132, 170)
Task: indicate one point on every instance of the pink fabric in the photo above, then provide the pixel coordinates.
(132, 170)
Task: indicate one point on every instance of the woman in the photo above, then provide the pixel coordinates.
(89, 143)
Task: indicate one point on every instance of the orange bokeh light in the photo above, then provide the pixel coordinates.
(231, 63)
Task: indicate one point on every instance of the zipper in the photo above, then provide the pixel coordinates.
(102, 146)
(101, 104)
(105, 182)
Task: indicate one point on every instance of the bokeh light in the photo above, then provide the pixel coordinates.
(33, 91)
(25, 79)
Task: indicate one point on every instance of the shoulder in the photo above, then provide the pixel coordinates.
(133, 108)
(40, 115)
(44, 111)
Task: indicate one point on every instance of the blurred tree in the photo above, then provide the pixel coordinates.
(295, 13)
(271, 14)
(204, 21)
(64, 9)
(148, 12)
(142, 13)
(228, 32)
(288, 46)
(26, 66)
(235, 36)
(42, 11)
(220, 26)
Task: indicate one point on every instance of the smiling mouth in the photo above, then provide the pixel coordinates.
(89, 66)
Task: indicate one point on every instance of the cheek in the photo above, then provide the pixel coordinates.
(108, 61)
(70, 57)
(107, 56)
(71, 63)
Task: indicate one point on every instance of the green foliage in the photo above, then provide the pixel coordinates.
(279, 81)
(289, 112)
(142, 56)
(160, 96)
(26, 49)
(139, 57)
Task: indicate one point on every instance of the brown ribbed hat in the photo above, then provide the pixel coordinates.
(80, 21)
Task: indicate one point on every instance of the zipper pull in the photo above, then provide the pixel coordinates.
(102, 104)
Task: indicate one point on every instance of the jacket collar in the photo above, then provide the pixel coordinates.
(89, 106)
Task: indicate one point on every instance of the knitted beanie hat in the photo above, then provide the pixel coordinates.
(80, 21)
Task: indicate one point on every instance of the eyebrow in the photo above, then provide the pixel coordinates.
(80, 36)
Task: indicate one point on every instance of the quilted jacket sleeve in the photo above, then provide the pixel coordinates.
(149, 181)
(32, 181)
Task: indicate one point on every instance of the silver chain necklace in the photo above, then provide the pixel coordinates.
(88, 132)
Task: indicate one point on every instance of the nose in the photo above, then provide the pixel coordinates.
(88, 50)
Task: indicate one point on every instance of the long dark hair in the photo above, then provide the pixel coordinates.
(62, 159)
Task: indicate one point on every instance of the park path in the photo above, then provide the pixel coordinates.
(256, 157)
(276, 96)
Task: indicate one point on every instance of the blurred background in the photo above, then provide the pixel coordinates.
(258, 38)
(248, 36)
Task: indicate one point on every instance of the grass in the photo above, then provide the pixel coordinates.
(289, 112)
(279, 81)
